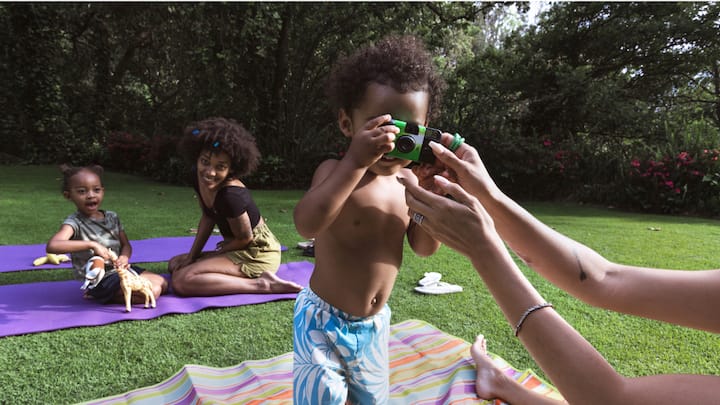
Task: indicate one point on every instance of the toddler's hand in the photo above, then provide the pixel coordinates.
(121, 261)
(372, 141)
(425, 173)
(102, 251)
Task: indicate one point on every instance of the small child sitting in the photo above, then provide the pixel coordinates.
(93, 233)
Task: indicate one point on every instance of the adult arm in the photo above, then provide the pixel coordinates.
(242, 234)
(420, 241)
(581, 374)
(204, 229)
(688, 298)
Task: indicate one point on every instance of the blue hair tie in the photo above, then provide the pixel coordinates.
(216, 144)
(195, 132)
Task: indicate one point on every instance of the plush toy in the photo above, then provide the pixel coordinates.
(51, 258)
(94, 272)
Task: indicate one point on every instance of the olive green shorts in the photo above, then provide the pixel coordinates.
(261, 255)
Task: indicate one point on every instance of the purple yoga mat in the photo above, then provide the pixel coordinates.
(53, 305)
(20, 257)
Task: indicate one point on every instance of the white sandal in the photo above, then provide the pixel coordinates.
(430, 278)
(438, 288)
(306, 244)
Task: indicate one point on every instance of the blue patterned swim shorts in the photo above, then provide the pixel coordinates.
(339, 356)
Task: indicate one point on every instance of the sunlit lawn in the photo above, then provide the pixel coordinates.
(86, 363)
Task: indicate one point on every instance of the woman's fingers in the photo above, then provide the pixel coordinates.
(425, 202)
(454, 190)
(417, 198)
(445, 156)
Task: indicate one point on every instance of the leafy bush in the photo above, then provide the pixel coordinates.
(273, 171)
(162, 162)
(686, 182)
(531, 168)
(126, 151)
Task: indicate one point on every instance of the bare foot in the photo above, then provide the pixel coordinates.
(273, 284)
(489, 376)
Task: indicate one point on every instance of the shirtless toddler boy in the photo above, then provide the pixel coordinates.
(355, 209)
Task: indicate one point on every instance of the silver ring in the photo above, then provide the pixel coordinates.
(418, 218)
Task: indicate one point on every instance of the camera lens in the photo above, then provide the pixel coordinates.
(405, 144)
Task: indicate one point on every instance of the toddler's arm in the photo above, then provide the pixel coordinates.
(125, 251)
(334, 180)
(332, 184)
(61, 243)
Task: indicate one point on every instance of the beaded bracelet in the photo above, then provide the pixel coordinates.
(527, 313)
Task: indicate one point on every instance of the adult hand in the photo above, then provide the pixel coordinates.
(466, 166)
(461, 223)
(372, 141)
(179, 262)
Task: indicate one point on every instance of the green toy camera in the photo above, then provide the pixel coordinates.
(413, 142)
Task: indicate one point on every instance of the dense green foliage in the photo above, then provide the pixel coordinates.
(81, 364)
(567, 106)
(116, 83)
(559, 110)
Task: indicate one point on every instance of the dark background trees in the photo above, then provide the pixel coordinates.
(613, 103)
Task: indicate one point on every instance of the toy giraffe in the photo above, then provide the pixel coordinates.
(130, 282)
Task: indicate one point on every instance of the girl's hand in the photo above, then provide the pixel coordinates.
(102, 251)
(121, 261)
(372, 141)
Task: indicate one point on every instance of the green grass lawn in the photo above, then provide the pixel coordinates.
(81, 364)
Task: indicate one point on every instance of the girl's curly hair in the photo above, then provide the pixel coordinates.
(69, 171)
(401, 62)
(217, 135)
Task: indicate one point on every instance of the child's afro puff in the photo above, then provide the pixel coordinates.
(401, 62)
(68, 172)
(219, 134)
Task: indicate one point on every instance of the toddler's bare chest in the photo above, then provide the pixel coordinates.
(376, 214)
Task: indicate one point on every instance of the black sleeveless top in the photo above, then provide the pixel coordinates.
(230, 202)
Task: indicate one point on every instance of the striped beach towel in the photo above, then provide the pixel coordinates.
(427, 366)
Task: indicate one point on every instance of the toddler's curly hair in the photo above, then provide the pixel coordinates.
(217, 135)
(69, 171)
(401, 62)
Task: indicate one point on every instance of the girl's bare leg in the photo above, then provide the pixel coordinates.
(219, 276)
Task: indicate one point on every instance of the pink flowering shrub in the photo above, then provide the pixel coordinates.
(687, 182)
(534, 167)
